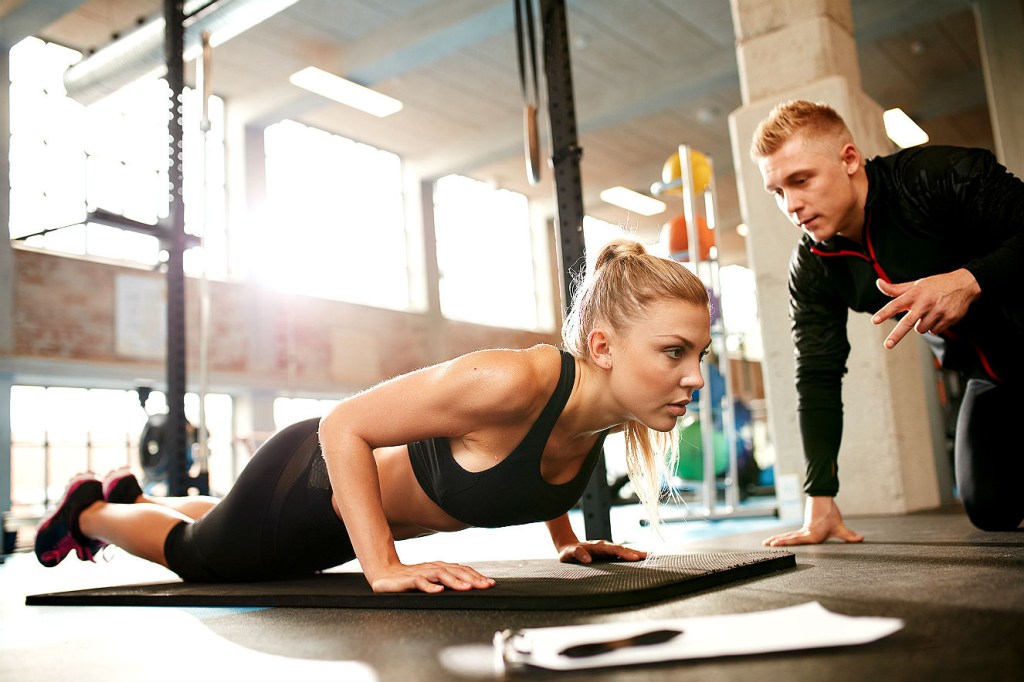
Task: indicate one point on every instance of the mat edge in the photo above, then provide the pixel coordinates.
(449, 600)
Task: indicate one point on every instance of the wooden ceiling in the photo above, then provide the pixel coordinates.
(647, 74)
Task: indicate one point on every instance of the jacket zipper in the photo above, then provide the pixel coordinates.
(870, 258)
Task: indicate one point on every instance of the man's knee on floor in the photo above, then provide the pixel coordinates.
(995, 516)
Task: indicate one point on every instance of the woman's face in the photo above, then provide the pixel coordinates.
(656, 362)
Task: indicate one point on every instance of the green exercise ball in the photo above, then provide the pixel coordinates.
(691, 453)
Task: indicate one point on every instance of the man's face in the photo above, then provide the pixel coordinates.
(812, 182)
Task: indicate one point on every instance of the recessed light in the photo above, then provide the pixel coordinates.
(345, 91)
(902, 130)
(633, 201)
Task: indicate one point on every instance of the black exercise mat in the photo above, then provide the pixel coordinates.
(535, 585)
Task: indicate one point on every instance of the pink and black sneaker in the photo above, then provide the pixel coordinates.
(121, 487)
(58, 534)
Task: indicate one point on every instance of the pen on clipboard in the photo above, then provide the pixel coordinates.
(598, 648)
(515, 648)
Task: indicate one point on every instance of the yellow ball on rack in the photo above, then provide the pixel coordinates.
(671, 172)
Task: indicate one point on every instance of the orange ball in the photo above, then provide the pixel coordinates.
(675, 235)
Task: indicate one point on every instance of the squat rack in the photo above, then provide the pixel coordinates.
(565, 164)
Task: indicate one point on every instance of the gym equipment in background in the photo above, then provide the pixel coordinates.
(565, 166)
(526, 51)
(155, 451)
(675, 235)
(717, 409)
(672, 178)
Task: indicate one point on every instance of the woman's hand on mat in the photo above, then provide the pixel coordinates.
(434, 576)
(822, 520)
(586, 552)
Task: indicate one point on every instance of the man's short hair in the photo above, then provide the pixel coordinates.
(796, 116)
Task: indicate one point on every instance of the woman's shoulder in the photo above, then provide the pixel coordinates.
(512, 380)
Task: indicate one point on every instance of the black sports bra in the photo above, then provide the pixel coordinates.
(513, 491)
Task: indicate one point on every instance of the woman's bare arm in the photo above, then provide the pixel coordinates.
(451, 400)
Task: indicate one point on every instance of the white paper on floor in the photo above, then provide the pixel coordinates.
(806, 626)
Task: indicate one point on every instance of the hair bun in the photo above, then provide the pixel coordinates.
(619, 248)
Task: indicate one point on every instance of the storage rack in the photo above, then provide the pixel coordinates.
(707, 269)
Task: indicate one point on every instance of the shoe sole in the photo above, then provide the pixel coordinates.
(54, 556)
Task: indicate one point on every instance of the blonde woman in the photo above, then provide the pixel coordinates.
(493, 438)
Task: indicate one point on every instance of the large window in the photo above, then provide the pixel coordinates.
(485, 254)
(336, 221)
(68, 159)
(288, 411)
(57, 432)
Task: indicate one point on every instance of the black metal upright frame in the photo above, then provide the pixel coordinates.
(175, 438)
(565, 163)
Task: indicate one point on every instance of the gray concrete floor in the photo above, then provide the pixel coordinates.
(960, 593)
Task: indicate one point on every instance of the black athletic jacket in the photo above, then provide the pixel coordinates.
(929, 210)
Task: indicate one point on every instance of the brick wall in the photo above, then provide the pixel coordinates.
(65, 309)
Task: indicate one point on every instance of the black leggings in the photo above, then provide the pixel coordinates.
(275, 522)
(989, 455)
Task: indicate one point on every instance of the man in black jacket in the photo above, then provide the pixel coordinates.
(933, 237)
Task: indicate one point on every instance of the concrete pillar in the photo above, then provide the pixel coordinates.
(804, 49)
(421, 195)
(6, 278)
(253, 423)
(6, 252)
(1000, 25)
(253, 409)
(6, 383)
(247, 215)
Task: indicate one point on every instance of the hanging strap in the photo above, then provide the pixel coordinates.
(528, 73)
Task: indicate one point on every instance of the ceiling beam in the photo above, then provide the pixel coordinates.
(877, 19)
(963, 93)
(411, 41)
(30, 18)
(644, 98)
(434, 32)
(142, 51)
